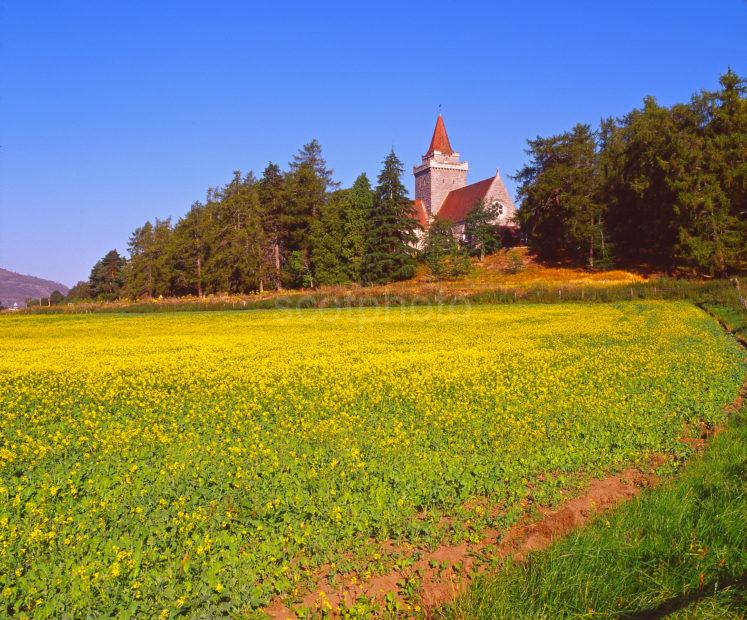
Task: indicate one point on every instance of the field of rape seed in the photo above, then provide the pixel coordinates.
(192, 464)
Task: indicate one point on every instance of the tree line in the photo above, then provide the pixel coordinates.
(288, 229)
(661, 186)
(664, 187)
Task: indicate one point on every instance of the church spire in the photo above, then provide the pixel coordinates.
(440, 140)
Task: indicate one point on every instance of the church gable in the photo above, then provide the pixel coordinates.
(460, 202)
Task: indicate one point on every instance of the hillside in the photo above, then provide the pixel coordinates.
(17, 288)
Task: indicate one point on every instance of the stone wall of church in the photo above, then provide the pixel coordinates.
(443, 180)
(498, 192)
(423, 189)
(433, 184)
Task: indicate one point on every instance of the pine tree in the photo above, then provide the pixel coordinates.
(391, 237)
(708, 174)
(481, 233)
(107, 277)
(192, 245)
(639, 204)
(357, 210)
(327, 237)
(148, 272)
(560, 211)
(305, 195)
(237, 257)
(272, 196)
(310, 154)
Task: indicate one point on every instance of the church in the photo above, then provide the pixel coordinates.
(441, 189)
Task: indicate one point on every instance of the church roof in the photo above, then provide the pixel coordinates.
(440, 140)
(459, 202)
(421, 215)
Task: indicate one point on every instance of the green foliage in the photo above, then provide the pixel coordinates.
(56, 298)
(191, 247)
(107, 276)
(391, 237)
(147, 272)
(481, 234)
(560, 210)
(664, 186)
(271, 190)
(237, 261)
(328, 240)
(442, 253)
(79, 292)
(358, 210)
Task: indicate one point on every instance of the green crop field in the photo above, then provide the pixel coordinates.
(202, 463)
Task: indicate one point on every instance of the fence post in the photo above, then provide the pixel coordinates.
(742, 300)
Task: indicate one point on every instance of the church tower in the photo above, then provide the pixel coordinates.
(440, 171)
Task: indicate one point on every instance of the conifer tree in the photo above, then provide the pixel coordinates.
(560, 211)
(272, 195)
(311, 154)
(237, 257)
(357, 210)
(391, 237)
(148, 271)
(107, 277)
(192, 245)
(709, 174)
(327, 236)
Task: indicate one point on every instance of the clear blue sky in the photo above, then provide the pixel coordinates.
(112, 113)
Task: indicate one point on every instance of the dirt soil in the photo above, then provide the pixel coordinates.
(447, 570)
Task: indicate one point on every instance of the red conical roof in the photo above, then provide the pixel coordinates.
(440, 140)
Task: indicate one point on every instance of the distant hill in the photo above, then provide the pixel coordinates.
(17, 288)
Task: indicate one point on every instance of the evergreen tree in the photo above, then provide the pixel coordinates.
(79, 292)
(237, 256)
(358, 208)
(391, 236)
(442, 253)
(560, 211)
(310, 154)
(192, 243)
(327, 240)
(272, 196)
(639, 203)
(305, 197)
(56, 298)
(481, 233)
(147, 272)
(107, 277)
(708, 173)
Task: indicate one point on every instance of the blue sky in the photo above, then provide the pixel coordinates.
(112, 113)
